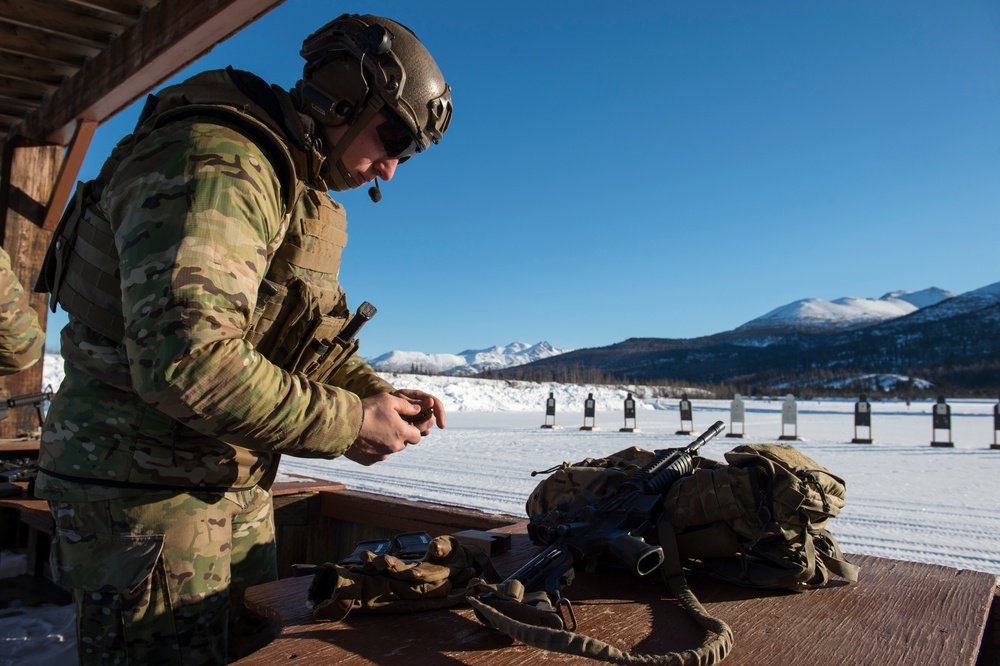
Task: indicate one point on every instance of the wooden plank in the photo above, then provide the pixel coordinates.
(27, 523)
(24, 447)
(28, 90)
(406, 515)
(899, 613)
(31, 41)
(31, 69)
(27, 177)
(33, 512)
(168, 37)
(66, 181)
(124, 8)
(69, 24)
(14, 108)
(303, 484)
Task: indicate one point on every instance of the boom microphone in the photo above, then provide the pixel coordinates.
(375, 192)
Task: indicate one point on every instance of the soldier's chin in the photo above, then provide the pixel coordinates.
(334, 181)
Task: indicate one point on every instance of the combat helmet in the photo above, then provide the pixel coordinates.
(357, 66)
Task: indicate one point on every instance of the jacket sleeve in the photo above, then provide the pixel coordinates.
(359, 377)
(197, 212)
(22, 339)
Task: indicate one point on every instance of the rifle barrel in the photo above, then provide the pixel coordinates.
(680, 463)
(704, 437)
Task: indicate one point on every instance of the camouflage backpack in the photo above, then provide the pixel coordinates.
(758, 521)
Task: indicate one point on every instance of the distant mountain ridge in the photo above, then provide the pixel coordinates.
(467, 363)
(848, 312)
(952, 341)
(932, 333)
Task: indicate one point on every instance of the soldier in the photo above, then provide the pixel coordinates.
(22, 340)
(200, 274)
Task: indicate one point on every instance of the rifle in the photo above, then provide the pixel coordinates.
(37, 400)
(613, 525)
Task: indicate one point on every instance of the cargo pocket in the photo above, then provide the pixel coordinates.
(120, 619)
(90, 561)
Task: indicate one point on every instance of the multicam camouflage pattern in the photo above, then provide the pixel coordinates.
(22, 340)
(155, 578)
(160, 445)
(185, 400)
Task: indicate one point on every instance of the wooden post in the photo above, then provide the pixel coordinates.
(28, 173)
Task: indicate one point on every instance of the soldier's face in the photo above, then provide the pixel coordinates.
(366, 158)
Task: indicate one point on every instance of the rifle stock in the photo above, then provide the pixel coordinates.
(550, 569)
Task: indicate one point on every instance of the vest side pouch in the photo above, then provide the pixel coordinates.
(334, 361)
(270, 297)
(80, 268)
(54, 263)
(324, 352)
(283, 322)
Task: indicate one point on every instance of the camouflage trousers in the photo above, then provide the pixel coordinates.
(159, 579)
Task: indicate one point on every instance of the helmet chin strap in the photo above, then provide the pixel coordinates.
(333, 171)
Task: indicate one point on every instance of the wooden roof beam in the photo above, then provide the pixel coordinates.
(27, 41)
(59, 21)
(167, 37)
(70, 167)
(122, 8)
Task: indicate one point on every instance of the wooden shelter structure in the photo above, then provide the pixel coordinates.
(66, 66)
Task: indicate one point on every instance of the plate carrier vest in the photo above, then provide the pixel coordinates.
(300, 306)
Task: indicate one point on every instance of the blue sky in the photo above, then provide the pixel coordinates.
(664, 168)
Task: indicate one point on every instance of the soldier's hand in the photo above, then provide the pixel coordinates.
(431, 410)
(384, 431)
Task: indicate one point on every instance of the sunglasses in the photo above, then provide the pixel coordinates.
(397, 139)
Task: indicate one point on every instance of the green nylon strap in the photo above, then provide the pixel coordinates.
(492, 612)
(834, 558)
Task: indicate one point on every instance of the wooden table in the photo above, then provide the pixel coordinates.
(25, 521)
(898, 613)
(21, 447)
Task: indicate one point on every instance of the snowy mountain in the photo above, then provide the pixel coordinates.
(921, 299)
(466, 363)
(967, 303)
(951, 342)
(847, 312)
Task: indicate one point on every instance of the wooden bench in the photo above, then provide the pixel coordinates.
(25, 522)
(21, 447)
(899, 613)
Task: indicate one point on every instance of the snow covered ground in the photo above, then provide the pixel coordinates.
(905, 499)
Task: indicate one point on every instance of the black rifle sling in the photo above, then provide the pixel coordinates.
(503, 603)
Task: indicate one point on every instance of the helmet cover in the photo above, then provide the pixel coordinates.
(358, 65)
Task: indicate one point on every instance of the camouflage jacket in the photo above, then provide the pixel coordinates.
(211, 244)
(21, 338)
